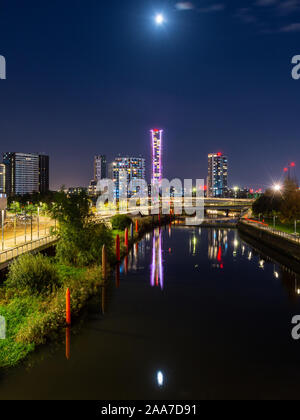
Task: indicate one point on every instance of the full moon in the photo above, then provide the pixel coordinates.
(159, 19)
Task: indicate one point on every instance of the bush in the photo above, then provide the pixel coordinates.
(82, 247)
(33, 273)
(120, 222)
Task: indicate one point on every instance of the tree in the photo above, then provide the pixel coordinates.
(290, 208)
(81, 238)
(268, 203)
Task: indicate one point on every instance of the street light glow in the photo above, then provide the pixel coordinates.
(277, 187)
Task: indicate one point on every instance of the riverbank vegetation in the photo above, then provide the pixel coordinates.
(32, 298)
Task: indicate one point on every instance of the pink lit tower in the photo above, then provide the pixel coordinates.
(156, 141)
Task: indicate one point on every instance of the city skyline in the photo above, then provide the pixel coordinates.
(221, 97)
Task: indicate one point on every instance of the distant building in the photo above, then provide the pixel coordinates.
(43, 173)
(26, 173)
(217, 181)
(100, 167)
(244, 193)
(2, 178)
(126, 169)
(75, 190)
(92, 190)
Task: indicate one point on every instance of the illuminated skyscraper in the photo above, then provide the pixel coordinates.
(217, 181)
(26, 173)
(125, 170)
(156, 141)
(22, 173)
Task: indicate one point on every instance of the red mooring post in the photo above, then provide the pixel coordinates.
(137, 226)
(68, 307)
(159, 219)
(118, 256)
(126, 238)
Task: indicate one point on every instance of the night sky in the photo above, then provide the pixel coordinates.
(88, 77)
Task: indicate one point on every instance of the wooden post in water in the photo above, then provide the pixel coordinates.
(104, 263)
(68, 307)
(137, 226)
(118, 256)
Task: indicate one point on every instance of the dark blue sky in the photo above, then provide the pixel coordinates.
(89, 77)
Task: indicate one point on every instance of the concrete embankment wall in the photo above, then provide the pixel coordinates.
(279, 244)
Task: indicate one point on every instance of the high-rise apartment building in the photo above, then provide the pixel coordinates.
(124, 170)
(26, 173)
(156, 146)
(217, 181)
(100, 167)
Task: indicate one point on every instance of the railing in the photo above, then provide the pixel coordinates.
(292, 237)
(27, 247)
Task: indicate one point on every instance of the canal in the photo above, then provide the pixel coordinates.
(195, 314)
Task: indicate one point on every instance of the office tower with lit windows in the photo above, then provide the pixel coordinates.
(125, 170)
(217, 180)
(22, 173)
(100, 167)
(156, 145)
(2, 178)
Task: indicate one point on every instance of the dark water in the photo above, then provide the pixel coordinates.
(200, 315)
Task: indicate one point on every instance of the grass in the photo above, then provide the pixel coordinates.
(31, 319)
(283, 227)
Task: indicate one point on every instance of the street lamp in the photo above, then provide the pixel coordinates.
(277, 187)
(31, 224)
(2, 223)
(15, 224)
(25, 233)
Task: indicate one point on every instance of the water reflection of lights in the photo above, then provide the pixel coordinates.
(160, 378)
(250, 256)
(194, 242)
(261, 264)
(235, 244)
(157, 264)
(276, 274)
(217, 244)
